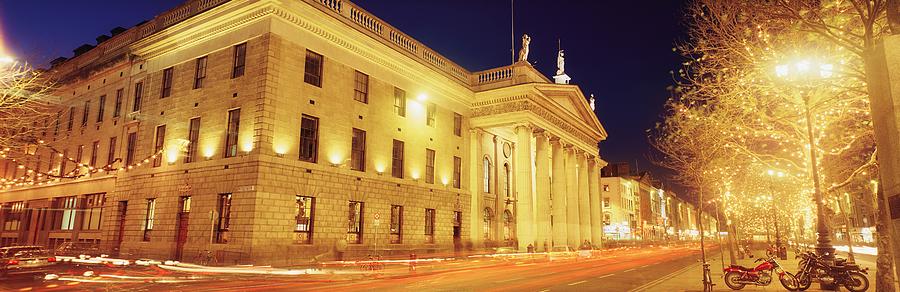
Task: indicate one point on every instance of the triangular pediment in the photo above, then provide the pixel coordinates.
(570, 99)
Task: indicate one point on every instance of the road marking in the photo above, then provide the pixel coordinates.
(644, 266)
(604, 276)
(628, 270)
(508, 280)
(545, 290)
(523, 265)
(576, 283)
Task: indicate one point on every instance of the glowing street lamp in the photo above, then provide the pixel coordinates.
(804, 74)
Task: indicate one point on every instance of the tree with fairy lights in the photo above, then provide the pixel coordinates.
(731, 81)
(26, 104)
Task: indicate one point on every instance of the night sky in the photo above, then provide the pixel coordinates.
(619, 51)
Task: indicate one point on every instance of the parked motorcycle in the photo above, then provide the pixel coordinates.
(737, 277)
(841, 273)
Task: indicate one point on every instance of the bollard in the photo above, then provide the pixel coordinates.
(412, 263)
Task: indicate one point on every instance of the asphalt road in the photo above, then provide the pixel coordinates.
(621, 270)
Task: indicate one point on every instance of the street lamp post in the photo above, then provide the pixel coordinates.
(823, 239)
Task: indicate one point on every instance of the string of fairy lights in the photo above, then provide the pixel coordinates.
(32, 176)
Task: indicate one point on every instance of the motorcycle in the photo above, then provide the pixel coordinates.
(841, 273)
(737, 277)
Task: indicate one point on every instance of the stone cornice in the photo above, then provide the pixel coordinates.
(521, 103)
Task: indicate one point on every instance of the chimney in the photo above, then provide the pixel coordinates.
(102, 38)
(117, 30)
(82, 49)
(57, 61)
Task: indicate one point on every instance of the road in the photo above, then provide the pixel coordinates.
(619, 270)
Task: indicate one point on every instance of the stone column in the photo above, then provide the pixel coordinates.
(525, 226)
(572, 217)
(476, 233)
(596, 212)
(584, 198)
(559, 193)
(542, 187)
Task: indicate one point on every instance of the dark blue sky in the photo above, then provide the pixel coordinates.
(618, 50)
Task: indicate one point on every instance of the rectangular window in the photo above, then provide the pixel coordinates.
(50, 163)
(355, 222)
(429, 225)
(14, 212)
(231, 135)
(148, 218)
(158, 144)
(66, 207)
(117, 109)
(303, 228)
(361, 92)
(605, 202)
(605, 188)
(95, 150)
(63, 162)
(313, 69)
(457, 168)
(166, 90)
(358, 150)
(193, 140)
(397, 159)
(185, 205)
(200, 72)
(56, 125)
(429, 114)
(85, 113)
(399, 102)
(138, 96)
(71, 118)
(101, 108)
(457, 125)
(111, 154)
(93, 211)
(240, 56)
(224, 220)
(79, 156)
(396, 224)
(429, 166)
(309, 138)
(130, 148)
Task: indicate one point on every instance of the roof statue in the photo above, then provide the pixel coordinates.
(592, 102)
(523, 52)
(560, 63)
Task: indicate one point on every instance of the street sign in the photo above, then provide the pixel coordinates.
(377, 219)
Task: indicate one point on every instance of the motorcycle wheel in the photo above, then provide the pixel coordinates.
(804, 281)
(858, 282)
(789, 282)
(731, 280)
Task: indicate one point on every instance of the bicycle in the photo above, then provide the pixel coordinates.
(206, 257)
(372, 264)
(707, 278)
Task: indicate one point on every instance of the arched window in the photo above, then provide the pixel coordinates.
(506, 175)
(487, 175)
(488, 223)
(508, 228)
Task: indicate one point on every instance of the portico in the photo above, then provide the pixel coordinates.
(536, 143)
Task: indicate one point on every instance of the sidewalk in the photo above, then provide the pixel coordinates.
(689, 278)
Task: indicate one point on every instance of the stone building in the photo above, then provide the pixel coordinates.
(277, 131)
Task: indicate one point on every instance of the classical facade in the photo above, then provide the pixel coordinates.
(279, 131)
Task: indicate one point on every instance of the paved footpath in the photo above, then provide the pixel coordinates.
(689, 278)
